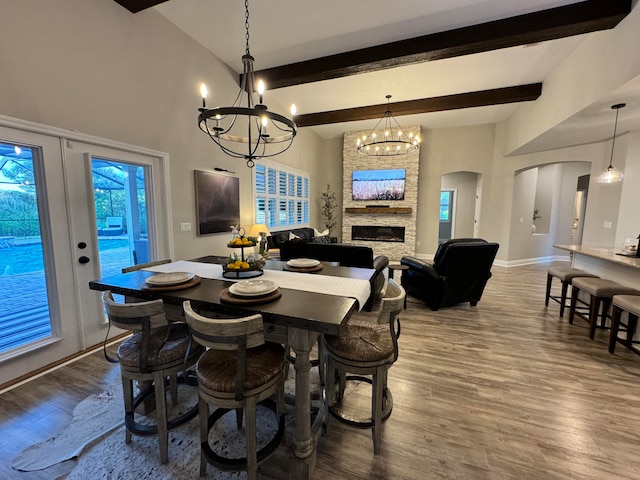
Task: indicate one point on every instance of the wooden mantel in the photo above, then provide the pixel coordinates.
(380, 210)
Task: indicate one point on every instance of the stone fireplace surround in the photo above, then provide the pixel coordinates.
(396, 214)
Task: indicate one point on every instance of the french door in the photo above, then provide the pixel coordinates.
(72, 211)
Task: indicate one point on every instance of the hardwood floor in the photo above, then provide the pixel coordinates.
(505, 390)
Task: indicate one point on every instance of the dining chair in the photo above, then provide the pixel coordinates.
(238, 371)
(364, 351)
(158, 350)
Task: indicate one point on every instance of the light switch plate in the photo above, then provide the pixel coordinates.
(185, 227)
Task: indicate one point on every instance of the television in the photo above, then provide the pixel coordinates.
(378, 184)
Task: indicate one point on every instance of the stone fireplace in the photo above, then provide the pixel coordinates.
(387, 226)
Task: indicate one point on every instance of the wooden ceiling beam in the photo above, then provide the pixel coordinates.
(497, 96)
(135, 6)
(574, 19)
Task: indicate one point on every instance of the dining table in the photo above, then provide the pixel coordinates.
(309, 304)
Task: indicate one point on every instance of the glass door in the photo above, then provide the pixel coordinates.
(112, 219)
(36, 326)
(71, 212)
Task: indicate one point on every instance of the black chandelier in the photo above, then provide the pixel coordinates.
(388, 138)
(267, 133)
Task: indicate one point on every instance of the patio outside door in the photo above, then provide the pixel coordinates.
(112, 218)
(73, 211)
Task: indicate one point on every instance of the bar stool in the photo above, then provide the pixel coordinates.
(565, 275)
(157, 350)
(624, 303)
(367, 350)
(601, 292)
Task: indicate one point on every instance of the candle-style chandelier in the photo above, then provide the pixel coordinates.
(252, 131)
(388, 138)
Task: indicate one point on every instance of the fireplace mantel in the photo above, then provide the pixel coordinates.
(380, 210)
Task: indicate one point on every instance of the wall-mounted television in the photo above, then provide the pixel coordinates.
(378, 184)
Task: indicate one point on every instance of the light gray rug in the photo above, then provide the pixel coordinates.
(96, 436)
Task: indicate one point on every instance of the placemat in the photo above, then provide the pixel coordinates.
(315, 268)
(227, 297)
(194, 281)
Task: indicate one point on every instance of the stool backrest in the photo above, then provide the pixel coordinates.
(134, 316)
(225, 333)
(390, 308)
(140, 266)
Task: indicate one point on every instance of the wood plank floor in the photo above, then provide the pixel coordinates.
(506, 390)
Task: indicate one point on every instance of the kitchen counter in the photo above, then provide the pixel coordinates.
(606, 263)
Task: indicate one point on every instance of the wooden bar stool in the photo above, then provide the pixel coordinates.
(601, 292)
(565, 275)
(624, 303)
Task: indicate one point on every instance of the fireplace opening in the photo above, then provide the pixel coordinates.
(377, 233)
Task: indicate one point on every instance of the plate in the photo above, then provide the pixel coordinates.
(173, 278)
(253, 288)
(303, 262)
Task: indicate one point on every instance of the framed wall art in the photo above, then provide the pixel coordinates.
(217, 202)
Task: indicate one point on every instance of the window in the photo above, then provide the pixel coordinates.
(281, 196)
(445, 205)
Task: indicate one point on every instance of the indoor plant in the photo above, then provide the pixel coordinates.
(327, 210)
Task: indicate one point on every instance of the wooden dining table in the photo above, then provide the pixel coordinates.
(296, 319)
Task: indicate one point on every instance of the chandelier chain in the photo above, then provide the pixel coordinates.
(246, 24)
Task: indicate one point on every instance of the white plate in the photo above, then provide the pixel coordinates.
(253, 288)
(303, 262)
(173, 278)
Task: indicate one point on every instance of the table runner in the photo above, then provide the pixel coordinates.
(308, 282)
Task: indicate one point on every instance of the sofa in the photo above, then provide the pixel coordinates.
(345, 255)
(460, 270)
(276, 238)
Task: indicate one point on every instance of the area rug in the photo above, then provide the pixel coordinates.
(96, 437)
(93, 419)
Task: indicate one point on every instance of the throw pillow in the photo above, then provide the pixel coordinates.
(316, 233)
(293, 236)
(321, 239)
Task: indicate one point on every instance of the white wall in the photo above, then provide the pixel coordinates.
(96, 68)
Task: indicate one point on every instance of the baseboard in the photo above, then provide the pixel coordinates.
(16, 382)
(532, 261)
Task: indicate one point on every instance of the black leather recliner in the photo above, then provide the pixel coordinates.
(460, 270)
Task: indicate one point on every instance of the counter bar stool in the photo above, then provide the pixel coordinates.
(238, 371)
(600, 291)
(565, 275)
(366, 350)
(630, 304)
(157, 350)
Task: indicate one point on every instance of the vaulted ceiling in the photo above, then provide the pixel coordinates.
(445, 62)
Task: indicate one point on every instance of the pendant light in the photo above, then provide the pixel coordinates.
(250, 132)
(611, 174)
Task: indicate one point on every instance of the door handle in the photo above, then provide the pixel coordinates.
(84, 259)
